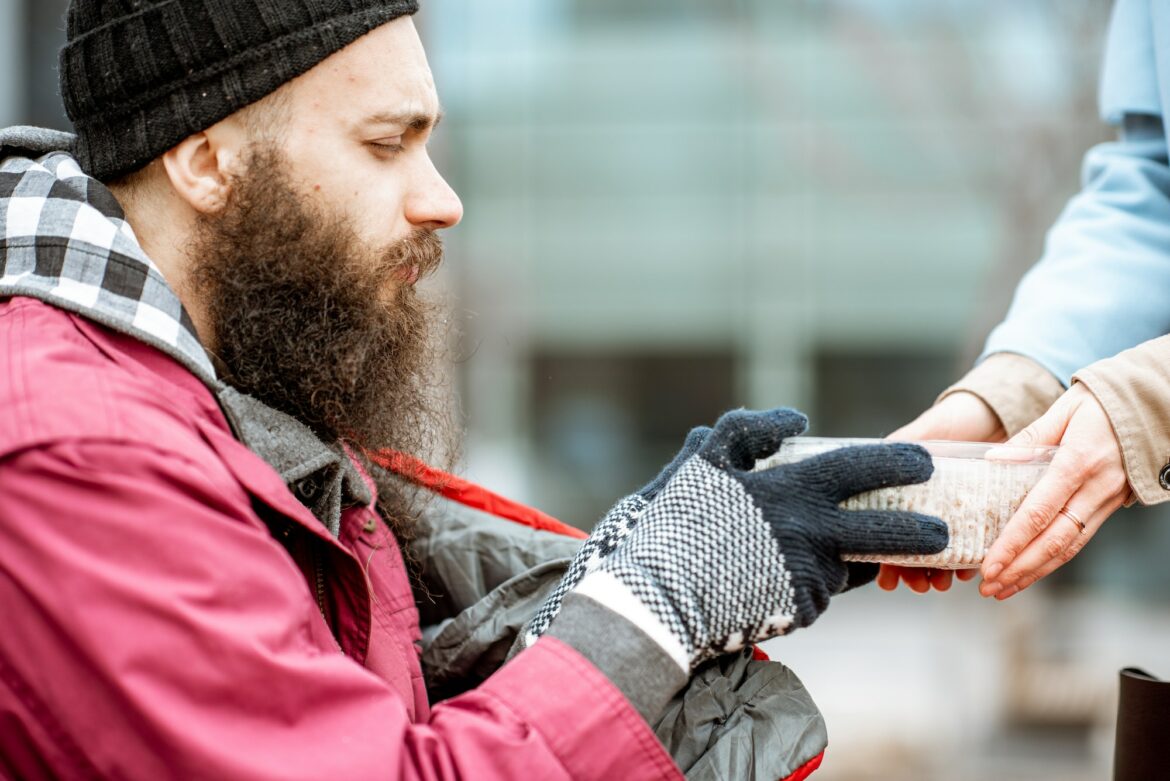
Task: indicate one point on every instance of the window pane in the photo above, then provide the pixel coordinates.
(606, 422)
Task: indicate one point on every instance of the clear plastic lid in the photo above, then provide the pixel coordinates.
(938, 448)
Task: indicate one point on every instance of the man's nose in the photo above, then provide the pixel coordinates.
(433, 205)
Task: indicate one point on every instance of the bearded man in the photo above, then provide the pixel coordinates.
(219, 384)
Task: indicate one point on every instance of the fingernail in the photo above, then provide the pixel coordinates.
(990, 589)
(1009, 592)
(993, 571)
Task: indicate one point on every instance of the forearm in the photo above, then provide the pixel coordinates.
(1100, 286)
(638, 666)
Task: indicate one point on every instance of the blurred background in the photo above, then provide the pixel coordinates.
(674, 207)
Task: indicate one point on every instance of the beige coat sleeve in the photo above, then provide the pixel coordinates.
(1134, 389)
(1017, 389)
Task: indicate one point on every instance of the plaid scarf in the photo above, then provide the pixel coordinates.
(64, 239)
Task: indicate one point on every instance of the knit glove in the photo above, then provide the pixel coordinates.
(724, 556)
(608, 534)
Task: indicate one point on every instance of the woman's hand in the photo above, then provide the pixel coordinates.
(921, 579)
(1084, 485)
(961, 416)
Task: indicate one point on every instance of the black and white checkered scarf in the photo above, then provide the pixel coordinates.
(65, 240)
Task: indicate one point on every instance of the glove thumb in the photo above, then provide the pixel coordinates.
(742, 437)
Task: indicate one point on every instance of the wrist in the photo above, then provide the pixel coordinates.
(636, 665)
(605, 589)
(1016, 389)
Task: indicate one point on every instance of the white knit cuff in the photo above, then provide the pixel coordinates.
(614, 595)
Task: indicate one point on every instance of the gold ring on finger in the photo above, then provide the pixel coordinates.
(1072, 517)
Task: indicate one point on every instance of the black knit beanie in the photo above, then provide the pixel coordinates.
(139, 76)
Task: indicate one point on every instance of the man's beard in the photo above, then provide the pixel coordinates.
(312, 322)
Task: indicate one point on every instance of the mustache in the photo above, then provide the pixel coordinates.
(418, 255)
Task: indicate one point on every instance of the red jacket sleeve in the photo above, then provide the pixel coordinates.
(154, 629)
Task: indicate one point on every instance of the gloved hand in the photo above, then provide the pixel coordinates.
(608, 534)
(723, 556)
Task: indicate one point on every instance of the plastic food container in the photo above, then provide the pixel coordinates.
(973, 490)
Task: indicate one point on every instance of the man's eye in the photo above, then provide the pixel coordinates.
(387, 146)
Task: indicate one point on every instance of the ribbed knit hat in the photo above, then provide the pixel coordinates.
(139, 76)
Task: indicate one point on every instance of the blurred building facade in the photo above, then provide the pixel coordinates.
(677, 207)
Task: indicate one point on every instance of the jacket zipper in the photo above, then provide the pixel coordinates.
(319, 578)
(318, 568)
(319, 592)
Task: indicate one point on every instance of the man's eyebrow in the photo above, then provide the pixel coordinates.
(414, 120)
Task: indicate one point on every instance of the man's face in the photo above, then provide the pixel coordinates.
(308, 271)
(356, 134)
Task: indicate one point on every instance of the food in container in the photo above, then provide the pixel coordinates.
(975, 489)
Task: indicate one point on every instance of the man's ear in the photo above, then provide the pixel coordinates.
(200, 168)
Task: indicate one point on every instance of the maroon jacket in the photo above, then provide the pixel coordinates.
(159, 619)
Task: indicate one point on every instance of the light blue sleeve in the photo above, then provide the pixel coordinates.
(1103, 283)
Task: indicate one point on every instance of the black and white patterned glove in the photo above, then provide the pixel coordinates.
(724, 556)
(608, 534)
